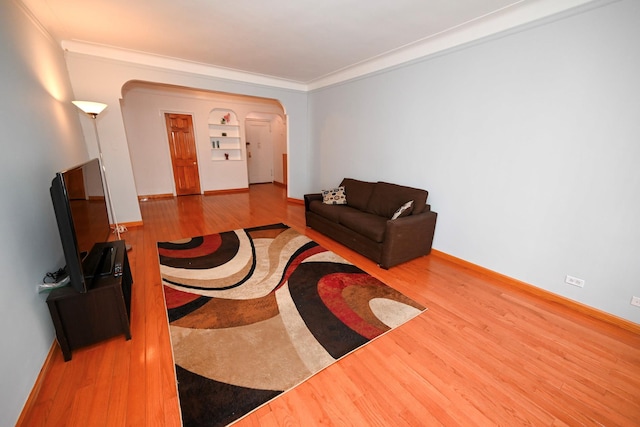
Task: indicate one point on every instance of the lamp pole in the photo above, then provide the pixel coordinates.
(112, 212)
(92, 109)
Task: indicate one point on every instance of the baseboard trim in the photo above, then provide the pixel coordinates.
(131, 224)
(144, 198)
(295, 201)
(544, 294)
(37, 386)
(229, 191)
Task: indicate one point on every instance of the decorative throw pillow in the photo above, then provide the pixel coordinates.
(403, 210)
(335, 196)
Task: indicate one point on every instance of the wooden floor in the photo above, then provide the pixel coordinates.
(483, 354)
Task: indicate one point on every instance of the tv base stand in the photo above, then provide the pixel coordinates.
(82, 319)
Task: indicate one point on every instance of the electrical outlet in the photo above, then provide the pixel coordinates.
(574, 281)
(635, 301)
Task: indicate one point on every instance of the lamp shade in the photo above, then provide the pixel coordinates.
(90, 107)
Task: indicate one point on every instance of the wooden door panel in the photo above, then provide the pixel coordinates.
(184, 160)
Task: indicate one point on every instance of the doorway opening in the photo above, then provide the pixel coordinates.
(266, 146)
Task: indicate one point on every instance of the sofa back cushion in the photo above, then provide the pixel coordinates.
(386, 198)
(358, 192)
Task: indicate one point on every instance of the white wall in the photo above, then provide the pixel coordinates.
(279, 139)
(144, 107)
(528, 143)
(41, 135)
(99, 79)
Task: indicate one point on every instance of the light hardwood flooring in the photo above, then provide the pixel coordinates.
(483, 354)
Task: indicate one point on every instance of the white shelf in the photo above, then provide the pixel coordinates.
(218, 154)
(225, 142)
(219, 130)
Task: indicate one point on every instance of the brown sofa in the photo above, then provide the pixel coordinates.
(364, 223)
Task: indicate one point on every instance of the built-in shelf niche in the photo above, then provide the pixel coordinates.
(224, 135)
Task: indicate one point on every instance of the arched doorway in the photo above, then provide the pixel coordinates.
(144, 105)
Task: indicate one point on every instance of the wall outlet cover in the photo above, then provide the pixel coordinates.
(574, 281)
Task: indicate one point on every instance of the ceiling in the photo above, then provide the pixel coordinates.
(301, 41)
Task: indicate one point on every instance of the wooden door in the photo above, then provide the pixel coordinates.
(182, 145)
(259, 152)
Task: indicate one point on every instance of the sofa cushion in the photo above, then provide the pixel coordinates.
(369, 225)
(358, 192)
(386, 198)
(335, 196)
(330, 212)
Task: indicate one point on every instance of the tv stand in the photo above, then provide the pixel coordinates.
(104, 311)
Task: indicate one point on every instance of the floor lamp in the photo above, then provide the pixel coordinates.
(92, 109)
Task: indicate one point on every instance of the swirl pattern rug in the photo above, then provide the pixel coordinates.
(254, 312)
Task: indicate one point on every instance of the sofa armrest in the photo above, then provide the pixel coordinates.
(407, 238)
(308, 198)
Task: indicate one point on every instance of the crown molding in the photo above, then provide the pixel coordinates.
(174, 64)
(508, 18)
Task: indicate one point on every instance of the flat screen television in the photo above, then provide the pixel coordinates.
(81, 213)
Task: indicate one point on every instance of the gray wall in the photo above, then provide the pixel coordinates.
(529, 143)
(40, 135)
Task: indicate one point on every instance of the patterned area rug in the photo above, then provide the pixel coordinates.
(254, 312)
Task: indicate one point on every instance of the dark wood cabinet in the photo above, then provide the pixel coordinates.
(104, 311)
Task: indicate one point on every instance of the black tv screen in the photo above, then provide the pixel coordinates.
(81, 213)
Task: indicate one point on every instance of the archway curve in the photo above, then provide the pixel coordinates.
(134, 83)
(143, 102)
